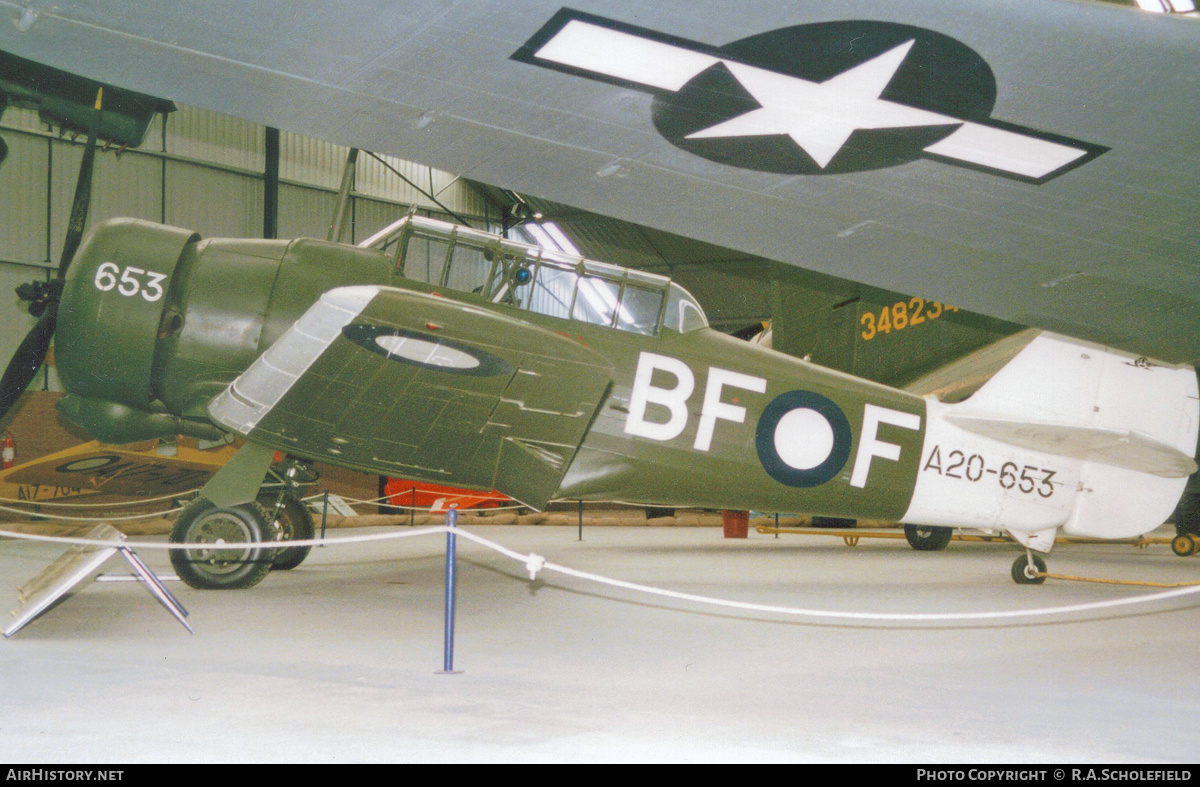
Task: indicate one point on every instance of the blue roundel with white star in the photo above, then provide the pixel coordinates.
(803, 438)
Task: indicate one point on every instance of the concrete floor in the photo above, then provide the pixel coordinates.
(337, 660)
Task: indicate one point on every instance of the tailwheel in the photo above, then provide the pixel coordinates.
(1027, 568)
(1185, 545)
(928, 539)
(238, 557)
(291, 522)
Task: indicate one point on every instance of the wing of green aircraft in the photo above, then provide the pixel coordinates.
(397, 382)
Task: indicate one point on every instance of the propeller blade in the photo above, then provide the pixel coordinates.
(32, 352)
(83, 192)
(27, 359)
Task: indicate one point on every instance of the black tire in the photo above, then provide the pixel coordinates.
(294, 523)
(925, 538)
(1020, 567)
(1184, 545)
(1187, 514)
(222, 569)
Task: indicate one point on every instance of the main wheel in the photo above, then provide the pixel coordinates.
(294, 523)
(1023, 574)
(239, 557)
(928, 539)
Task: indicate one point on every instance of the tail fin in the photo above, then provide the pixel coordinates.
(1115, 433)
(1088, 402)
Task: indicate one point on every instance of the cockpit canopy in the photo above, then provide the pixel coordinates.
(539, 280)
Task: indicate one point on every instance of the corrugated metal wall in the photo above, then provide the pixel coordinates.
(23, 189)
(209, 179)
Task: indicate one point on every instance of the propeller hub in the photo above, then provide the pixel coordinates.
(39, 294)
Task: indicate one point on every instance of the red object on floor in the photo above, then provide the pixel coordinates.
(736, 523)
(402, 492)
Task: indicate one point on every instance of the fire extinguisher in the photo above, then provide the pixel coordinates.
(9, 450)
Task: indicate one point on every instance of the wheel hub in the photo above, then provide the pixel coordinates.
(220, 530)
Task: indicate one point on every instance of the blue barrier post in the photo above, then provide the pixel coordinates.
(324, 514)
(448, 643)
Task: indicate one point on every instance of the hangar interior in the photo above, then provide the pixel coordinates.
(342, 669)
(205, 172)
(212, 173)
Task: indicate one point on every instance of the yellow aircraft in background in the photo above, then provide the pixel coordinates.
(94, 469)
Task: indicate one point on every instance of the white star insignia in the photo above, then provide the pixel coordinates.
(818, 116)
(821, 116)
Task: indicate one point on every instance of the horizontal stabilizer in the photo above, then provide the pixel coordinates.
(1117, 447)
(1079, 436)
(1081, 400)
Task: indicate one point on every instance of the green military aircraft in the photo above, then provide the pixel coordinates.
(1012, 162)
(451, 355)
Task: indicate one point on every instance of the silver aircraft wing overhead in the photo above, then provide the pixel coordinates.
(1032, 160)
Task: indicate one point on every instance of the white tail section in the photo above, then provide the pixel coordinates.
(1068, 434)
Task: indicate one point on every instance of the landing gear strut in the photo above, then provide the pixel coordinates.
(290, 518)
(244, 536)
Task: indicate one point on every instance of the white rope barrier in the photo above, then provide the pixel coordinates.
(138, 502)
(534, 564)
(927, 617)
(167, 511)
(451, 501)
(353, 501)
(74, 540)
(350, 501)
(44, 515)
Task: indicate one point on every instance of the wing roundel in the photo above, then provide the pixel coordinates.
(403, 383)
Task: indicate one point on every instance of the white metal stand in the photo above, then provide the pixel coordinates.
(79, 564)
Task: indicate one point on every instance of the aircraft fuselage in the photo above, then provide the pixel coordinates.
(327, 353)
(704, 419)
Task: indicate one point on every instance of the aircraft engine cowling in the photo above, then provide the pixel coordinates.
(154, 322)
(112, 306)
